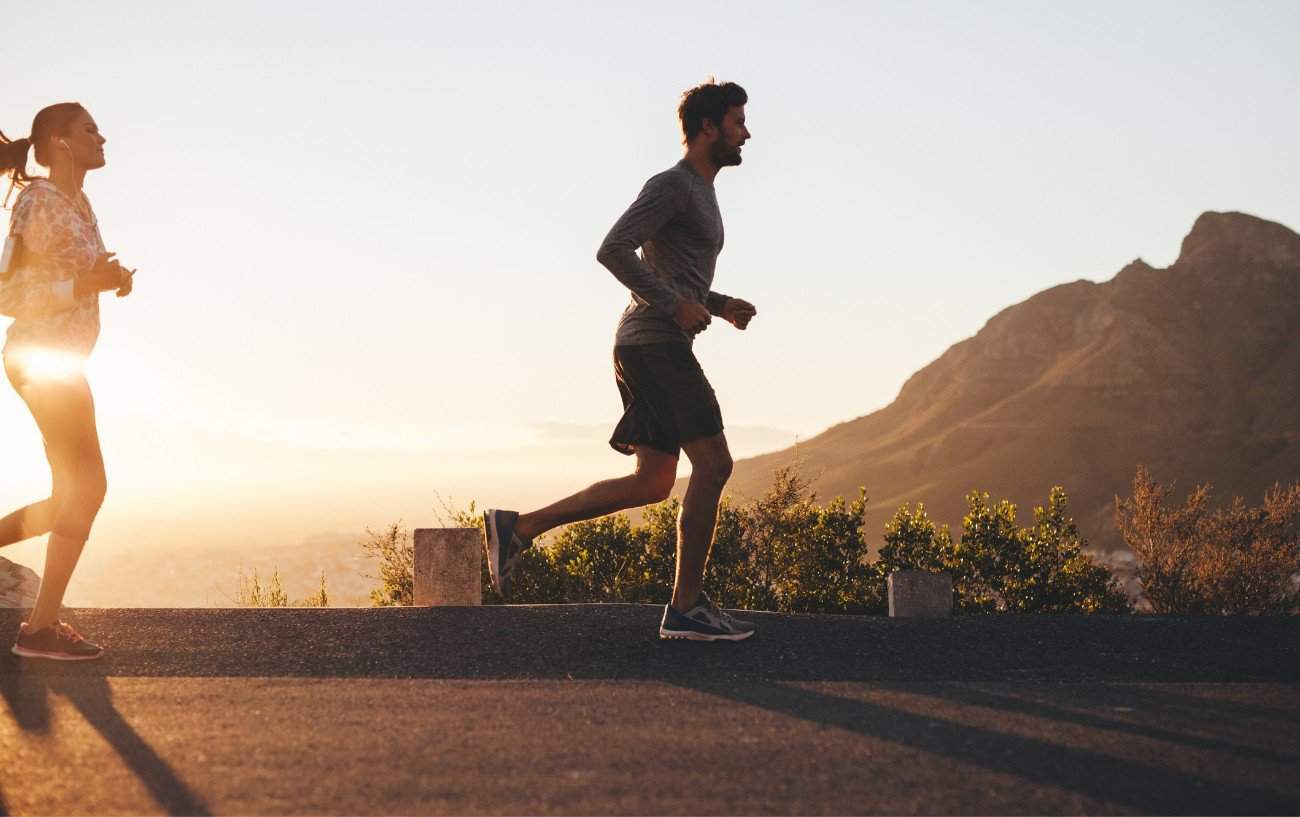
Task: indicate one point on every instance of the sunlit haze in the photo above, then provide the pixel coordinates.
(366, 233)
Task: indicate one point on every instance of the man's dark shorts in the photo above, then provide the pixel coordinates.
(667, 400)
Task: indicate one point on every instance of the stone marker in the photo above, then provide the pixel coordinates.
(917, 593)
(447, 567)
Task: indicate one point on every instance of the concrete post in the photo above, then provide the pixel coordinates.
(917, 593)
(447, 567)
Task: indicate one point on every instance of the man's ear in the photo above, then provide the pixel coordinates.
(708, 127)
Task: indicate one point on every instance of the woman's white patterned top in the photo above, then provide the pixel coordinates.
(61, 242)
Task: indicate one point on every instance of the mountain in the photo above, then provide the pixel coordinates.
(1192, 370)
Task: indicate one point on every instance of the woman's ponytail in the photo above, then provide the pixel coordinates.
(51, 121)
(13, 163)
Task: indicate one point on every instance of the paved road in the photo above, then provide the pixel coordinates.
(580, 709)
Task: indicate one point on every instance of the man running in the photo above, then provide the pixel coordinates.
(668, 403)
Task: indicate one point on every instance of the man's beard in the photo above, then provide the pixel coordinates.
(723, 154)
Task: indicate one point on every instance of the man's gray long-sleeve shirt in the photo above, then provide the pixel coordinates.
(676, 223)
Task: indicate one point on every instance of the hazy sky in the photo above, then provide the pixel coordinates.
(374, 225)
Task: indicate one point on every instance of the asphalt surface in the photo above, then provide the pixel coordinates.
(582, 710)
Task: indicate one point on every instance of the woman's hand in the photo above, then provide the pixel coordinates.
(107, 274)
(128, 283)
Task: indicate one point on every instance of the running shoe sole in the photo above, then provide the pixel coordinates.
(692, 635)
(23, 652)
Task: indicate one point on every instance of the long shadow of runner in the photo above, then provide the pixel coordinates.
(26, 691)
(26, 695)
(1107, 779)
(28, 702)
(1198, 708)
(1152, 700)
(93, 698)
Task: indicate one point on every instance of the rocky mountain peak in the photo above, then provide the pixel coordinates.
(1192, 370)
(1239, 238)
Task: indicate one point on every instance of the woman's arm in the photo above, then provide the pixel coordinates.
(51, 235)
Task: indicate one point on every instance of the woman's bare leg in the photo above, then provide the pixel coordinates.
(61, 555)
(35, 519)
(65, 412)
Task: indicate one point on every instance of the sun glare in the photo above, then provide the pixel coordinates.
(50, 364)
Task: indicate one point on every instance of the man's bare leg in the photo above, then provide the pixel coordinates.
(710, 469)
(651, 482)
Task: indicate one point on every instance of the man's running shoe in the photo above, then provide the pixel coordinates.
(704, 622)
(58, 642)
(503, 547)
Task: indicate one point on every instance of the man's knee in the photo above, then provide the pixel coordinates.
(715, 469)
(722, 467)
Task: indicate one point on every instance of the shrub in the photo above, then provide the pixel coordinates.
(250, 592)
(812, 558)
(1041, 569)
(1052, 574)
(783, 552)
(598, 560)
(395, 552)
(912, 542)
(320, 598)
(788, 553)
(998, 566)
(1194, 559)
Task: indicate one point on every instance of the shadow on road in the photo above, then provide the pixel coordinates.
(1195, 708)
(1154, 704)
(30, 712)
(26, 690)
(1133, 785)
(1061, 702)
(26, 698)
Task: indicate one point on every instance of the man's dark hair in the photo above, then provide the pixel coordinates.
(709, 101)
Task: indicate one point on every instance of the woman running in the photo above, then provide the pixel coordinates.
(56, 267)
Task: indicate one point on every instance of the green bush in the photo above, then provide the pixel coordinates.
(912, 542)
(811, 558)
(786, 552)
(998, 566)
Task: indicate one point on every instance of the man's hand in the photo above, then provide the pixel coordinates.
(738, 313)
(692, 316)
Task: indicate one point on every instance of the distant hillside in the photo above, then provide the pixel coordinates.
(1192, 370)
